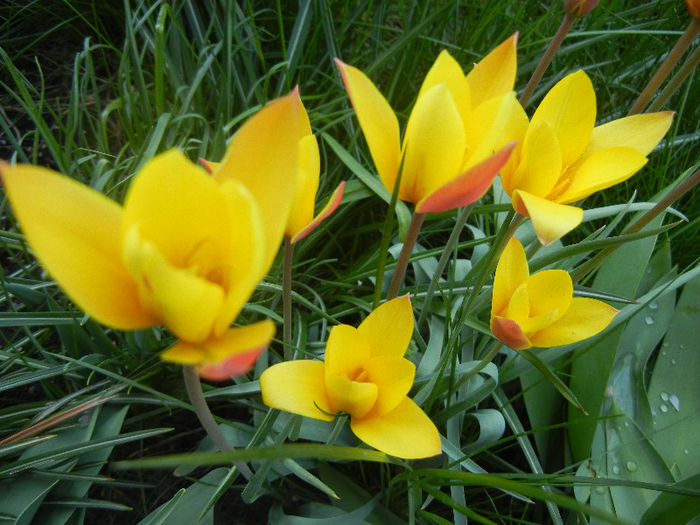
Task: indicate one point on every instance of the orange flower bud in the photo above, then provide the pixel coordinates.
(579, 8)
(694, 7)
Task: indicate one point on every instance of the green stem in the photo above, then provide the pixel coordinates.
(444, 258)
(287, 299)
(405, 255)
(201, 409)
(672, 59)
(339, 424)
(675, 194)
(546, 59)
(676, 81)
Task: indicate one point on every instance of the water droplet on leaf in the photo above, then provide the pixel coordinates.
(649, 320)
(631, 466)
(663, 396)
(675, 402)
(653, 305)
(663, 408)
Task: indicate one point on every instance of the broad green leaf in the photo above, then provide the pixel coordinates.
(326, 514)
(674, 509)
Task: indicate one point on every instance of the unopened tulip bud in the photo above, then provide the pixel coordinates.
(694, 8)
(579, 8)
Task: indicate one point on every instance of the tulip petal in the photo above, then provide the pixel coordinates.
(405, 432)
(540, 162)
(551, 220)
(641, 132)
(389, 327)
(377, 120)
(494, 75)
(598, 171)
(263, 155)
(584, 318)
(570, 110)
(326, 212)
(509, 332)
(305, 194)
(346, 351)
(549, 290)
(75, 233)
(352, 397)
(512, 271)
(434, 144)
(393, 377)
(297, 387)
(446, 70)
(468, 187)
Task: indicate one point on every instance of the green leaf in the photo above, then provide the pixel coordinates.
(674, 509)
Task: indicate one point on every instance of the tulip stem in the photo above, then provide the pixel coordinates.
(490, 355)
(675, 194)
(546, 59)
(201, 409)
(339, 424)
(444, 258)
(665, 68)
(675, 82)
(287, 299)
(405, 255)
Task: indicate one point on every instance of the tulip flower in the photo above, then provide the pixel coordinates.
(456, 138)
(301, 220)
(185, 250)
(580, 8)
(564, 158)
(539, 309)
(364, 375)
(693, 8)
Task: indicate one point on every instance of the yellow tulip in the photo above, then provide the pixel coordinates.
(563, 158)
(185, 250)
(364, 375)
(539, 309)
(457, 136)
(301, 220)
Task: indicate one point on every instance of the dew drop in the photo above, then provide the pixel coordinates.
(673, 361)
(675, 402)
(600, 490)
(627, 423)
(616, 469)
(682, 346)
(663, 396)
(653, 305)
(663, 408)
(686, 452)
(631, 466)
(649, 320)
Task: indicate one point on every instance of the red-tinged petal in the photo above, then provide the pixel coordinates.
(389, 327)
(468, 187)
(75, 233)
(509, 332)
(326, 212)
(585, 318)
(230, 367)
(570, 110)
(208, 165)
(550, 220)
(641, 132)
(297, 387)
(405, 432)
(512, 271)
(377, 120)
(494, 75)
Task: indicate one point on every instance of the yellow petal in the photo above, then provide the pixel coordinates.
(509, 332)
(641, 132)
(549, 290)
(327, 210)
(494, 75)
(393, 377)
(346, 351)
(263, 155)
(389, 327)
(405, 432)
(584, 318)
(598, 171)
(75, 234)
(352, 397)
(302, 212)
(570, 110)
(551, 220)
(446, 70)
(377, 120)
(297, 387)
(519, 306)
(434, 145)
(220, 358)
(540, 162)
(186, 303)
(469, 187)
(512, 271)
